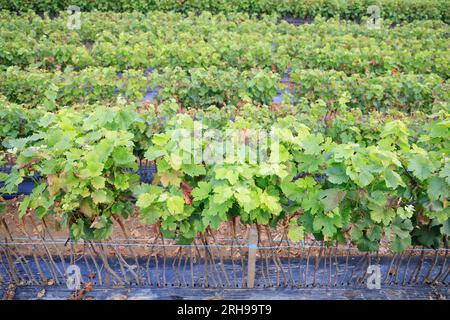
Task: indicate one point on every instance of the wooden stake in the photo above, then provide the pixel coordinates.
(252, 247)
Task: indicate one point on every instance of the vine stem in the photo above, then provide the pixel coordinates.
(101, 253)
(130, 249)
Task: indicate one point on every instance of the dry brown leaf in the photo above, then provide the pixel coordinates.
(88, 286)
(10, 292)
(187, 189)
(41, 294)
(440, 296)
(135, 233)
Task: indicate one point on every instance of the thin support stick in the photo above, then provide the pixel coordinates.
(252, 247)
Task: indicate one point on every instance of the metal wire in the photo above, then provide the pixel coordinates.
(119, 242)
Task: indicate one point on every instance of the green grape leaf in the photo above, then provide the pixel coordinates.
(393, 179)
(93, 169)
(311, 144)
(227, 173)
(445, 229)
(175, 205)
(296, 233)
(175, 161)
(161, 139)
(324, 224)
(202, 191)
(98, 182)
(170, 178)
(145, 200)
(420, 166)
(24, 206)
(121, 182)
(445, 172)
(336, 174)
(151, 214)
(153, 153)
(193, 170)
(382, 214)
(99, 196)
(437, 189)
(270, 203)
(247, 199)
(123, 156)
(365, 178)
(330, 198)
(222, 194)
(102, 150)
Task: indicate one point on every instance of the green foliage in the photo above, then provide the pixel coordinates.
(391, 9)
(85, 169)
(356, 151)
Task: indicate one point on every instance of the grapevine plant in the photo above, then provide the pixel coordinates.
(394, 186)
(87, 169)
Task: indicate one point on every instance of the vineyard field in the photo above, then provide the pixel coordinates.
(330, 130)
